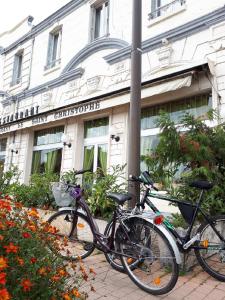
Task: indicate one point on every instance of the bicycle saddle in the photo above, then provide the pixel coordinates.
(201, 184)
(119, 198)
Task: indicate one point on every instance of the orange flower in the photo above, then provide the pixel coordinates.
(42, 271)
(5, 205)
(3, 278)
(11, 248)
(26, 235)
(20, 261)
(76, 293)
(2, 226)
(32, 227)
(33, 213)
(26, 284)
(67, 297)
(55, 278)
(1, 237)
(4, 294)
(91, 270)
(10, 223)
(3, 263)
(18, 205)
(62, 272)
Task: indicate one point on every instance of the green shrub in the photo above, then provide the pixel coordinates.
(98, 184)
(199, 147)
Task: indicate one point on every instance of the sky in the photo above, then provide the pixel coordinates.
(13, 11)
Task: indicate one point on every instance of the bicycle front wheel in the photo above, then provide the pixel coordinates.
(211, 251)
(157, 271)
(74, 238)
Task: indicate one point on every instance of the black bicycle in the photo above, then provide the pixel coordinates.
(147, 254)
(208, 242)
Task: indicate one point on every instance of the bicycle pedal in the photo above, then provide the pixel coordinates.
(88, 246)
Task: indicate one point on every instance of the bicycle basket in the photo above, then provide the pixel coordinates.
(187, 212)
(61, 194)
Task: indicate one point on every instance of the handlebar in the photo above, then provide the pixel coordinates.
(144, 178)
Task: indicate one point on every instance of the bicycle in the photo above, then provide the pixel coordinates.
(208, 242)
(152, 269)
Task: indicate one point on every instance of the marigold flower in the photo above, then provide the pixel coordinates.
(91, 270)
(11, 248)
(55, 278)
(32, 227)
(42, 271)
(67, 297)
(1, 237)
(4, 294)
(33, 213)
(26, 235)
(2, 226)
(76, 293)
(62, 272)
(26, 284)
(3, 263)
(20, 261)
(3, 278)
(18, 205)
(5, 205)
(10, 223)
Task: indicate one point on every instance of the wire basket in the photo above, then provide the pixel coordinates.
(61, 194)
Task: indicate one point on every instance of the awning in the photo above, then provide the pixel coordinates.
(167, 86)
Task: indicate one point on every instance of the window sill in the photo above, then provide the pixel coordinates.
(166, 16)
(53, 69)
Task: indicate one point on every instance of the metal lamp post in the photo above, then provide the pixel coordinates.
(135, 102)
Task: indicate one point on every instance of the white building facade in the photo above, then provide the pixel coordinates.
(65, 83)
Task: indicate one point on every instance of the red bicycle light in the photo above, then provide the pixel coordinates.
(158, 220)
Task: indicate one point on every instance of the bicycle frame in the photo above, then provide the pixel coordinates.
(181, 241)
(101, 241)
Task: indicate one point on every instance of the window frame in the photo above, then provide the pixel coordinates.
(103, 30)
(54, 48)
(156, 8)
(3, 152)
(17, 68)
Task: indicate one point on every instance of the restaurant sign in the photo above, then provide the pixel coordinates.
(32, 117)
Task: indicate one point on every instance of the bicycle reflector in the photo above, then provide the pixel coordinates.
(158, 220)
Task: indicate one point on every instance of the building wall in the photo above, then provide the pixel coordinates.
(100, 71)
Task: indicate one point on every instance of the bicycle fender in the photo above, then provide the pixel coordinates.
(167, 234)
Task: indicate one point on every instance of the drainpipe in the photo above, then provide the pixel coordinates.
(135, 102)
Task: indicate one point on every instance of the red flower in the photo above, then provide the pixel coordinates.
(3, 278)
(26, 284)
(3, 263)
(26, 235)
(20, 261)
(33, 260)
(5, 205)
(4, 294)
(10, 223)
(11, 248)
(1, 237)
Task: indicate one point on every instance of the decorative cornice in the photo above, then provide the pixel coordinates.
(46, 23)
(172, 35)
(62, 79)
(97, 45)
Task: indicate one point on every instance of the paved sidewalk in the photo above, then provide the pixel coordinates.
(112, 285)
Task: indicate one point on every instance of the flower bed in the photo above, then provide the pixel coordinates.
(28, 270)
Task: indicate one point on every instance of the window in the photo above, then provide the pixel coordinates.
(47, 151)
(163, 7)
(54, 48)
(3, 143)
(197, 106)
(100, 20)
(17, 69)
(96, 144)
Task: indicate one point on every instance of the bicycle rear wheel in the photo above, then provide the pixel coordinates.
(157, 271)
(112, 258)
(73, 234)
(211, 254)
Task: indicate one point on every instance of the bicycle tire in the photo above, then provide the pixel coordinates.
(157, 271)
(112, 259)
(73, 234)
(211, 257)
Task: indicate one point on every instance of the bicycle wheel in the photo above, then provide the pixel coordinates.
(73, 234)
(157, 271)
(112, 258)
(211, 255)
